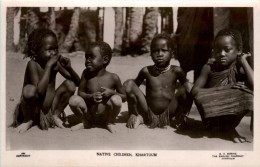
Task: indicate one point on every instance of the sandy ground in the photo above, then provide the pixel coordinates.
(100, 139)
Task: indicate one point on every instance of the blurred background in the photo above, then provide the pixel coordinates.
(129, 30)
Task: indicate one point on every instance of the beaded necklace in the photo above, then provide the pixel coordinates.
(162, 70)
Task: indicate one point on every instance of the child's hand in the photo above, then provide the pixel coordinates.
(243, 57)
(65, 62)
(107, 92)
(53, 61)
(97, 97)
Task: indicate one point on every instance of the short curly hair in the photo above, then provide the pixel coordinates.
(167, 37)
(235, 34)
(105, 49)
(35, 41)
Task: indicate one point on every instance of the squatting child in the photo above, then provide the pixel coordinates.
(41, 104)
(161, 101)
(100, 93)
(221, 91)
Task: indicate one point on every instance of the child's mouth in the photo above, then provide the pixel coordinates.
(223, 60)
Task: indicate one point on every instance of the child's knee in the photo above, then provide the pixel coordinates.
(70, 85)
(29, 92)
(75, 101)
(181, 93)
(116, 100)
(129, 84)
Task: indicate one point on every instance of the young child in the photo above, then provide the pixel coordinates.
(160, 100)
(100, 93)
(40, 103)
(220, 94)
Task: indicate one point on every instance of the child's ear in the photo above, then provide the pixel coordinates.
(33, 52)
(106, 59)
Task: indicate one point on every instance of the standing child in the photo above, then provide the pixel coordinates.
(100, 92)
(219, 92)
(40, 103)
(160, 100)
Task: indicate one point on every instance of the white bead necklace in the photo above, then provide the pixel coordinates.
(162, 70)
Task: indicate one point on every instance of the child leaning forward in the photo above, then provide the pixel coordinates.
(41, 104)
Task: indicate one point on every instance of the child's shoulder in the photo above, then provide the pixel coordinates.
(176, 69)
(32, 64)
(111, 75)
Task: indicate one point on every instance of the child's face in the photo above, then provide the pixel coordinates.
(94, 59)
(161, 53)
(225, 50)
(49, 48)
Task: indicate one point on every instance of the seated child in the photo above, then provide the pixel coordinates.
(219, 92)
(100, 93)
(160, 100)
(40, 103)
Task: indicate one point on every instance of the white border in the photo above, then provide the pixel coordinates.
(165, 158)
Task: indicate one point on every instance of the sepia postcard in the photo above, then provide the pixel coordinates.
(129, 83)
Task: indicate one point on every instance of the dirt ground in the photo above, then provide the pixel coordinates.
(142, 138)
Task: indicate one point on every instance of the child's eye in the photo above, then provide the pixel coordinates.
(228, 49)
(165, 50)
(155, 51)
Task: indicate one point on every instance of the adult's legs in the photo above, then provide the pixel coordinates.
(28, 107)
(61, 99)
(137, 105)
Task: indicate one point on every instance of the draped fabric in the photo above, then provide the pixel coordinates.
(227, 100)
(194, 35)
(224, 102)
(222, 78)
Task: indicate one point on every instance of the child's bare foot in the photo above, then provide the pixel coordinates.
(236, 138)
(134, 121)
(58, 122)
(77, 127)
(110, 128)
(24, 126)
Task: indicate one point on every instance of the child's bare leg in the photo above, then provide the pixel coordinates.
(228, 125)
(28, 106)
(78, 107)
(137, 104)
(179, 107)
(115, 103)
(61, 99)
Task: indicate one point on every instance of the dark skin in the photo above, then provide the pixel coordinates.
(160, 87)
(96, 87)
(226, 54)
(40, 75)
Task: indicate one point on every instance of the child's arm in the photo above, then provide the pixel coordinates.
(201, 80)
(182, 78)
(41, 83)
(247, 70)
(140, 77)
(82, 85)
(65, 69)
(119, 89)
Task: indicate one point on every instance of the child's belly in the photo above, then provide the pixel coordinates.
(158, 102)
